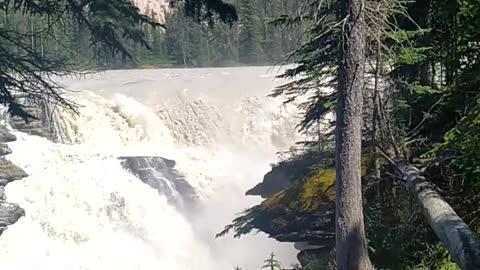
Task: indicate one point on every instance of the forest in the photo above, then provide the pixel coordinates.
(389, 176)
(184, 42)
(409, 71)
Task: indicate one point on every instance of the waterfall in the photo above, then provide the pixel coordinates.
(107, 193)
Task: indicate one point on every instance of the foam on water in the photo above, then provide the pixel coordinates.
(84, 211)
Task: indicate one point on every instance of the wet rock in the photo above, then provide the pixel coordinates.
(284, 174)
(35, 127)
(160, 174)
(38, 126)
(6, 136)
(9, 214)
(5, 150)
(10, 172)
(300, 207)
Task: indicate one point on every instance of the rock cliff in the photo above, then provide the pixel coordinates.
(39, 126)
(157, 9)
(299, 206)
(9, 172)
(285, 173)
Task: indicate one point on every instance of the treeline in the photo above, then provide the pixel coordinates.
(253, 40)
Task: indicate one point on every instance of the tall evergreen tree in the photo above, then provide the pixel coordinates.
(250, 43)
(351, 243)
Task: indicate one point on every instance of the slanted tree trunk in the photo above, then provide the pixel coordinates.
(458, 239)
(351, 244)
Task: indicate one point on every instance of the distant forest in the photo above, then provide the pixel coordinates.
(253, 40)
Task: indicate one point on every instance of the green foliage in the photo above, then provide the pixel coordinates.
(439, 258)
(206, 9)
(271, 263)
(403, 35)
(250, 49)
(314, 73)
(424, 108)
(317, 263)
(312, 194)
(418, 90)
(28, 29)
(411, 56)
(280, 213)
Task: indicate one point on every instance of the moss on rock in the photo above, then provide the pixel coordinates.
(302, 213)
(309, 195)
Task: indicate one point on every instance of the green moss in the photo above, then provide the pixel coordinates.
(317, 189)
(274, 201)
(306, 196)
(285, 210)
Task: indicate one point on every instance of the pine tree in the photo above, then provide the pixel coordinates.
(272, 263)
(250, 43)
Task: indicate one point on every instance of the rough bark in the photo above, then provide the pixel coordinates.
(462, 243)
(351, 245)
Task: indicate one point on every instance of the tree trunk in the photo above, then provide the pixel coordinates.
(351, 244)
(458, 239)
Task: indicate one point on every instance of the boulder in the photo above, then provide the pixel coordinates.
(9, 214)
(6, 136)
(160, 174)
(304, 213)
(10, 172)
(38, 126)
(284, 174)
(4, 149)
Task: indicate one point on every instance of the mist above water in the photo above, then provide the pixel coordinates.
(84, 211)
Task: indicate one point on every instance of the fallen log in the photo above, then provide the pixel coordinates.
(462, 243)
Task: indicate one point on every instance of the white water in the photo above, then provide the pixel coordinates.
(85, 212)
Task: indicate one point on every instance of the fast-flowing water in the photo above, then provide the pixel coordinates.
(85, 211)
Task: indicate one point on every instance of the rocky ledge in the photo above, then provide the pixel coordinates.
(299, 208)
(284, 174)
(9, 172)
(304, 213)
(39, 126)
(160, 174)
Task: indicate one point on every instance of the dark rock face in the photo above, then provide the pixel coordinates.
(6, 136)
(40, 126)
(9, 172)
(4, 150)
(159, 173)
(314, 229)
(282, 216)
(9, 214)
(285, 173)
(273, 182)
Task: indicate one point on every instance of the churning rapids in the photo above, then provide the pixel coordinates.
(85, 211)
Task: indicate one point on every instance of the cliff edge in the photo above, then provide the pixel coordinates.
(9, 172)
